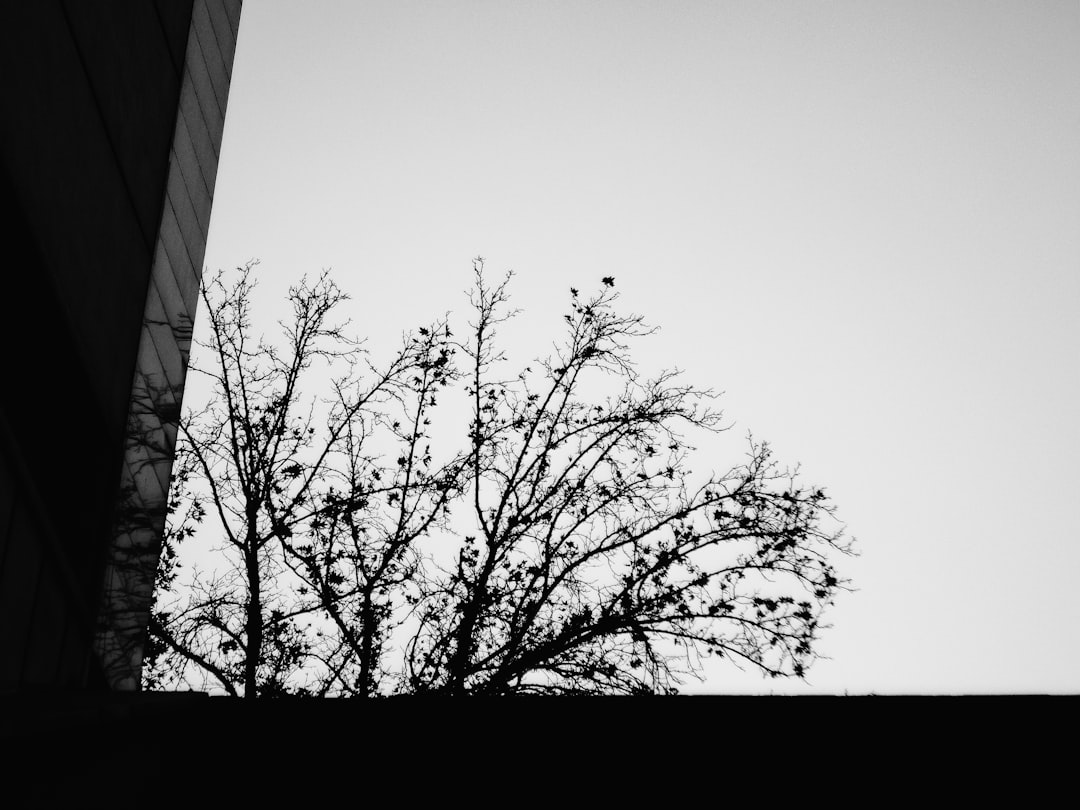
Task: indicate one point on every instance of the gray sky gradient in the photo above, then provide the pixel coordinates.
(860, 220)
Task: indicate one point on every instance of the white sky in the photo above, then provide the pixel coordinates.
(860, 220)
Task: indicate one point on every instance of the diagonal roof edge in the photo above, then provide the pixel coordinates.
(164, 344)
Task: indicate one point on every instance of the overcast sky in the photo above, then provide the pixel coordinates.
(860, 220)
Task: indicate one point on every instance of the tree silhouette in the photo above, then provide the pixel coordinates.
(582, 554)
(315, 535)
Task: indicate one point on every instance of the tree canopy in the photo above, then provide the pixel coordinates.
(563, 546)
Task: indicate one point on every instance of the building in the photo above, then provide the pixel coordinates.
(109, 145)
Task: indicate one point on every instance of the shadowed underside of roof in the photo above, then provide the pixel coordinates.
(108, 155)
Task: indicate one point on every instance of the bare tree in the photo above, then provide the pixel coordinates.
(597, 566)
(307, 566)
(583, 556)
